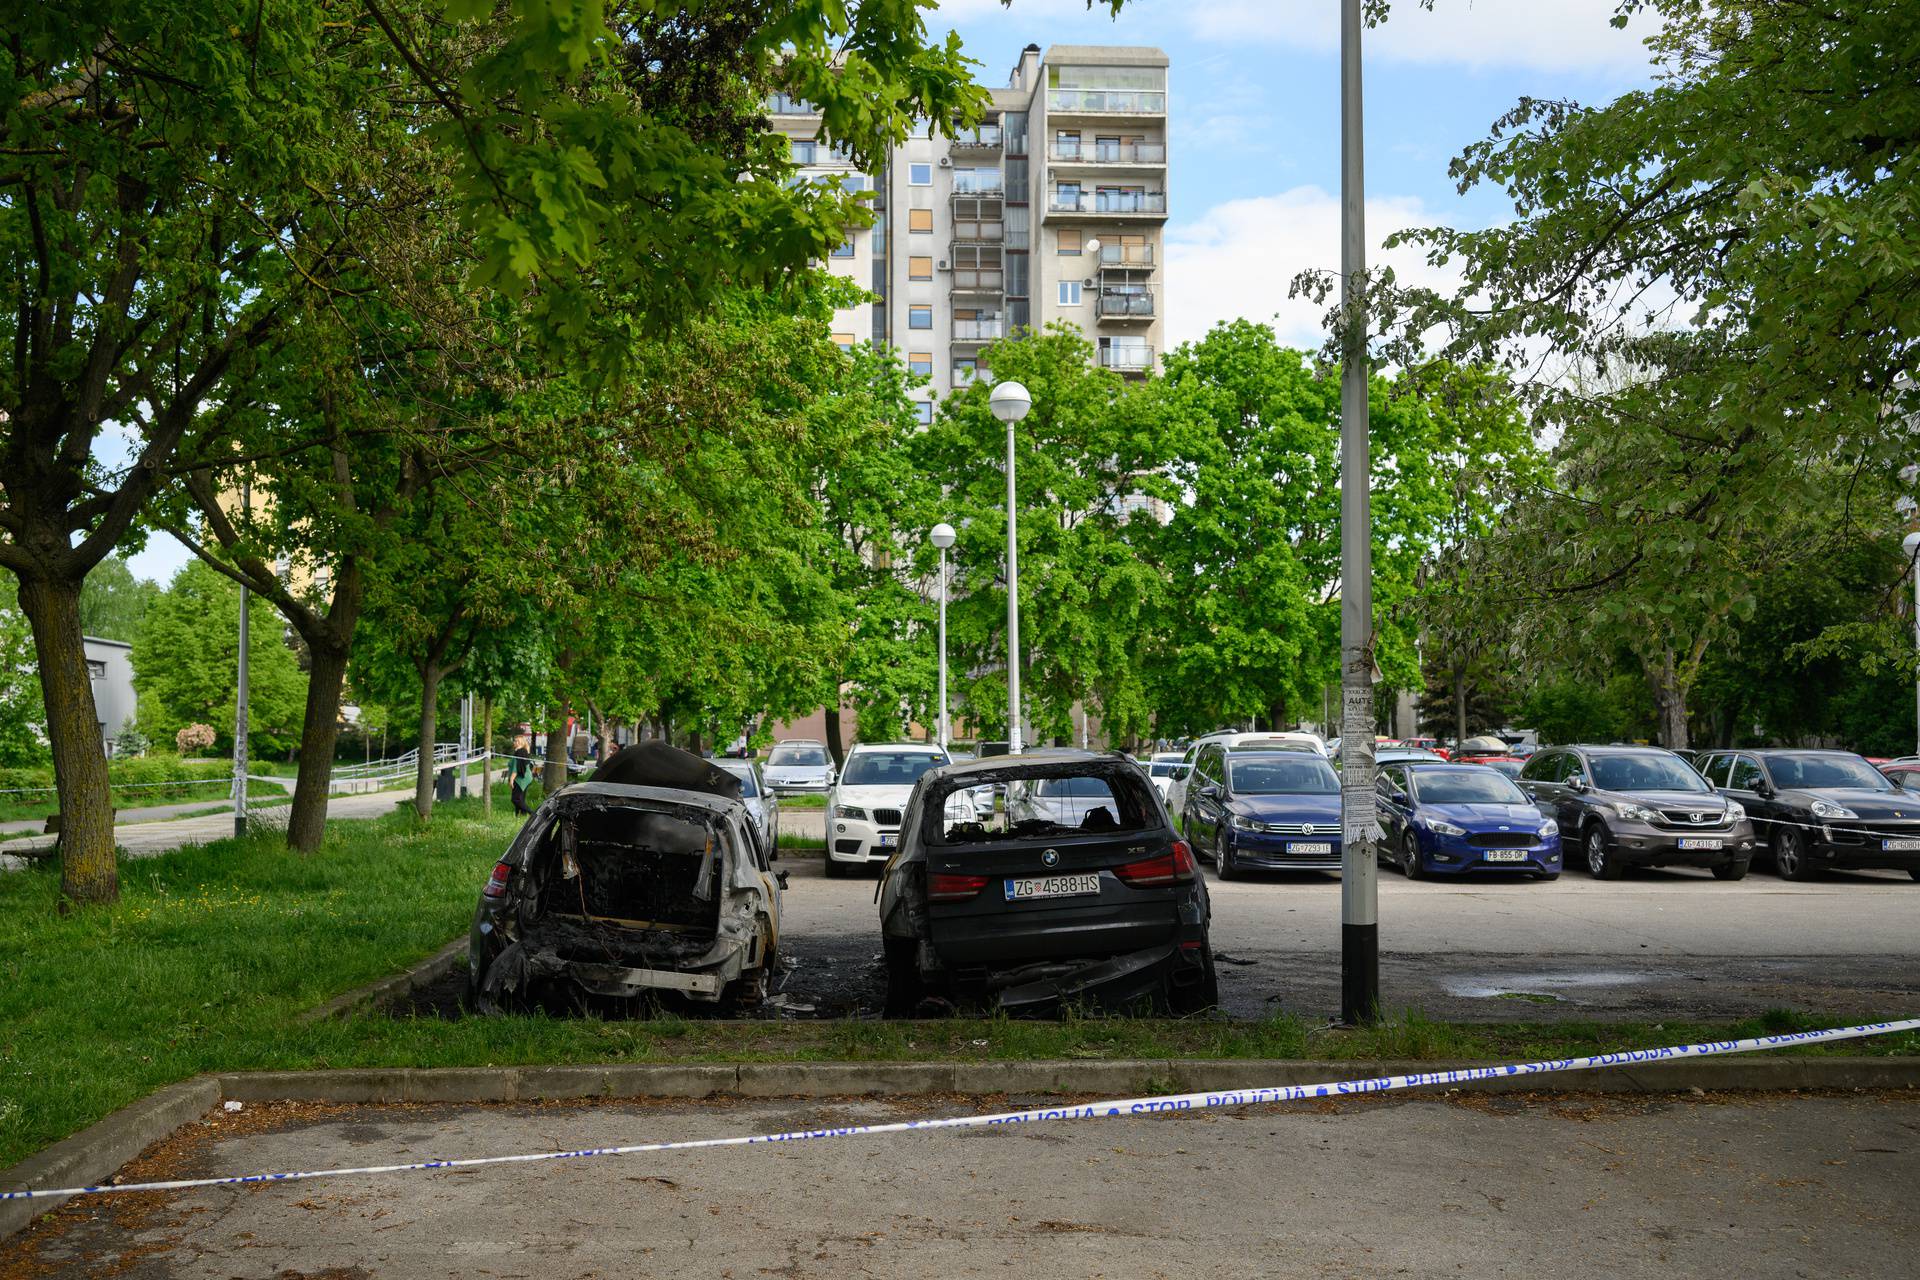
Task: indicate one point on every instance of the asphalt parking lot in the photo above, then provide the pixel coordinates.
(1659, 944)
(1471, 1185)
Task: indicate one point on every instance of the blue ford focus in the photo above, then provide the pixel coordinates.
(1462, 819)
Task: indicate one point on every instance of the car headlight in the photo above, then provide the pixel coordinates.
(1440, 828)
(1549, 829)
(1736, 812)
(1634, 812)
(1828, 809)
(1244, 824)
(850, 814)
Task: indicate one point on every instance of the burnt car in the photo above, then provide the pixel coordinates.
(647, 879)
(1044, 905)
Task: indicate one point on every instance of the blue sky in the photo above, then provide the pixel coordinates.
(1254, 148)
(1254, 177)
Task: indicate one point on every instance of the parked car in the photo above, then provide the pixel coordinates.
(1162, 767)
(1509, 766)
(647, 879)
(1483, 745)
(1904, 774)
(1264, 810)
(1812, 810)
(868, 802)
(1035, 913)
(1638, 807)
(1462, 819)
(1427, 744)
(1176, 790)
(761, 802)
(1394, 753)
(799, 766)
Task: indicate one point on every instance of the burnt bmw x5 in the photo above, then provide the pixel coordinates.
(1077, 889)
(646, 879)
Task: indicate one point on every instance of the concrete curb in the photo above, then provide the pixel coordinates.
(424, 974)
(97, 1152)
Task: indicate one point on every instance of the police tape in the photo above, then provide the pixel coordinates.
(1158, 1105)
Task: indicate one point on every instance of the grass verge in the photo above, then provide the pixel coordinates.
(213, 953)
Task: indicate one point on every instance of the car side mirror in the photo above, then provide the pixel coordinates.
(781, 876)
(1763, 789)
(1577, 783)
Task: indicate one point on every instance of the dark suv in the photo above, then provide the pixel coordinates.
(1621, 807)
(1820, 809)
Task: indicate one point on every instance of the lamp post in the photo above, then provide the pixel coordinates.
(942, 537)
(1911, 544)
(1010, 402)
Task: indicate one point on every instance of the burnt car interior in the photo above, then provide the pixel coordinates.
(1057, 806)
(641, 880)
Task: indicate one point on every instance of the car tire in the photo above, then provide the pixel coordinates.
(1790, 854)
(1410, 856)
(905, 988)
(1602, 863)
(1223, 860)
(836, 869)
(1202, 995)
(1736, 869)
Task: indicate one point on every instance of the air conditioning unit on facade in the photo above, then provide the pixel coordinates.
(946, 162)
(944, 265)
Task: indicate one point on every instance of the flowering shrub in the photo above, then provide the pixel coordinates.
(195, 737)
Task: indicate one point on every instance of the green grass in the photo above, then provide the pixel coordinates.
(39, 804)
(803, 802)
(214, 952)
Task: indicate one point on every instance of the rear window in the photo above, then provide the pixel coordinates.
(1056, 807)
(888, 768)
(797, 753)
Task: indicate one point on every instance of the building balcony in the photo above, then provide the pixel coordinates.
(1110, 204)
(1131, 359)
(980, 232)
(979, 330)
(979, 280)
(982, 138)
(1135, 304)
(1107, 102)
(1126, 255)
(973, 184)
(1138, 153)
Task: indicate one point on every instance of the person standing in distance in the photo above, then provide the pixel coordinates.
(520, 774)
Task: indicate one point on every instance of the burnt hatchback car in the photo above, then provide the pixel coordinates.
(1042, 906)
(646, 879)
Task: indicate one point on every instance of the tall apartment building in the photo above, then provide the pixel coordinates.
(987, 233)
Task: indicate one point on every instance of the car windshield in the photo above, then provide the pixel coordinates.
(1163, 768)
(1304, 775)
(887, 768)
(1464, 786)
(797, 753)
(1651, 771)
(1817, 773)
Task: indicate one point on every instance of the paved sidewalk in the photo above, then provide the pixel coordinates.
(154, 812)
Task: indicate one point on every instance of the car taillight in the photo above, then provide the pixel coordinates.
(1169, 868)
(945, 886)
(497, 882)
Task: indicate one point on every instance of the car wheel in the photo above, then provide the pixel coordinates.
(1600, 859)
(1410, 856)
(836, 869)
(904, 987)
(1197, 997)
(1790, 853)
(1736, 869)
(1223, 859)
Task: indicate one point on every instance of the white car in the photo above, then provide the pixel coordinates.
(798, 766)
(865, 806)
(1062, 802)
(1161, 767)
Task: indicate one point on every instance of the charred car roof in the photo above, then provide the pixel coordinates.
(585, 793)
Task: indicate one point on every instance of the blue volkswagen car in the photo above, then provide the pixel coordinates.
(1263, 810)
(1462, 819)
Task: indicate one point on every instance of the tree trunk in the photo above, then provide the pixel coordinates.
(1459, 708)
(319, 732)
(88, 872)
(486, 757)
(554, 775)
(430, 674)
(835, 747)
(1670, 699)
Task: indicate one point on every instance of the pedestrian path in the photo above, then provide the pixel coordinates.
(151, 812)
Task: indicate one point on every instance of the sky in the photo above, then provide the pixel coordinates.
(1253, 186)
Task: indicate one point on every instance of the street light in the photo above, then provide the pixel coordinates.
(1911, 545)
(942, 537)
(1010, 402)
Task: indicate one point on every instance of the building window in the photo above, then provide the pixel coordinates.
(1072, 242)
(921, 362)
(804, 150)
(844, 341)
(919, 175)
(965, 370)
(1069, 293)
(843, 250)
(923, 411)
(920, 220)
(96, 669)
(920, 317)
(919, 268)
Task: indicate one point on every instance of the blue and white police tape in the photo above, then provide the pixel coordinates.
(1076, 1111)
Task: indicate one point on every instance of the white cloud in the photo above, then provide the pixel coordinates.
(1239, 259)
(1545, 35)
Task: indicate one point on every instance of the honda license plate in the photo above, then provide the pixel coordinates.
(1310, 846)
(1701, 842)
(1904, 844)
(1053, 887)
(1505, 855)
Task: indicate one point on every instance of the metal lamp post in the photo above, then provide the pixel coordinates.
(1911, 544)
(1010, 402)
(942, 537)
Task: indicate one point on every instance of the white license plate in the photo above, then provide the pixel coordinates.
(1701, 842)
(885, 841)
(1053, 887)
(1504, 855)
(1309, 846)
(1904, 845)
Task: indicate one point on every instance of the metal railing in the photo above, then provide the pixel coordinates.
(986, 137)
(1111, 304)
(1116, 202)
(1108, 101)
(1108, 152)
(977, 184)
(978, 330)
(1127, 359)
(978, 280)
(1126, 255)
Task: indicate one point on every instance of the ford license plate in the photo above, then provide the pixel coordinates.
(1903, 844)
(1310, 846)
(1700, 842)
(1505, 855)
(1053, 887)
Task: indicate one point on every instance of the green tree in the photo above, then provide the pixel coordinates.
(22, 714)
(113, 602)
(186, 662)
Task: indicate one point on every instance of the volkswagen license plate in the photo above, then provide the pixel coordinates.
(1053, 887)
(1701, 842)
(1505, 855)
(1904, 844)
(1310, 846)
